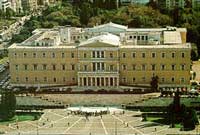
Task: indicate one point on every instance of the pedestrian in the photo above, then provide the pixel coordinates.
(68, 124)
(101, 116)
(123, 112)
(155, 129)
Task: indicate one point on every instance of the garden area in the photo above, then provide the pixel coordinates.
(177, 112)
(36, 103)
(19, 117)
(6, 23)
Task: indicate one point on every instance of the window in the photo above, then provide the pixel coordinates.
(182, 67)
(182, 80)
(54, 67)
(134, 79)
(173, 79)
(35, 66)
(63, 67)
(17, 79)
(25, 67)
(44, 67)
(43, 55)
(124, 80)
(64, 79)
(16, 67)
(85, 55)
(183, 55)
(143, 79)
(15, 54)
(143, 55)
(36, 79)
(142, 37)
(102, 54)
(163, 55)
(163, 67)
(102, 66)
(143, 67)
(153, 55)
(93, 54)
(146, 37)
(123, 67)
(73, 67)
(98, 66)
(63, 55)
(45, 79)
(25, 55)
(72, 55)
(173, 67)
(53, 55)
(123, 55)
(111, 55)
(54, 79)
(34, 55)
(133, 55)
(111, 68)
(98, 54)
(134, 67)
(26, 79)
(162, 79)
(138, 37)
(153, 67)
(173, 55)
(85, 67)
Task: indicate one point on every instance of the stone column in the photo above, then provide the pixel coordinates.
(113, 81)
(100, 81)
(96, 81)
(108, 81)
(79, 81)
(91, 81)
(117, 81)
(104, 79)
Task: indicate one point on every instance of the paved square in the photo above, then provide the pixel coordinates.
(61, 122)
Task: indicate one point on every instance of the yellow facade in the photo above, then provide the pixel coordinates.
(105, 61)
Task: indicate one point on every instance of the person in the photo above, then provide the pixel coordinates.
(155, 129)
(68, 124)
(101, 116)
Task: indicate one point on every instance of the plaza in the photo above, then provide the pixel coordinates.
(61, 122)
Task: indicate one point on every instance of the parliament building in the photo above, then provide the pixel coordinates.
(108, 55)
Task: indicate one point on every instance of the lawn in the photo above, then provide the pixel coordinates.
(162, 120)
(21, 117)
(4, 60)
(164, 102)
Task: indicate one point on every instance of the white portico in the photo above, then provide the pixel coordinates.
(101, 68)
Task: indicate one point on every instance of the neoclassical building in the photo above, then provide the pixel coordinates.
(108, 55)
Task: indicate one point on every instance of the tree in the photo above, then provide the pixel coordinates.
(8, 105)
(152, 4)
(154, 83)
(85, 13)
(9, 13)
